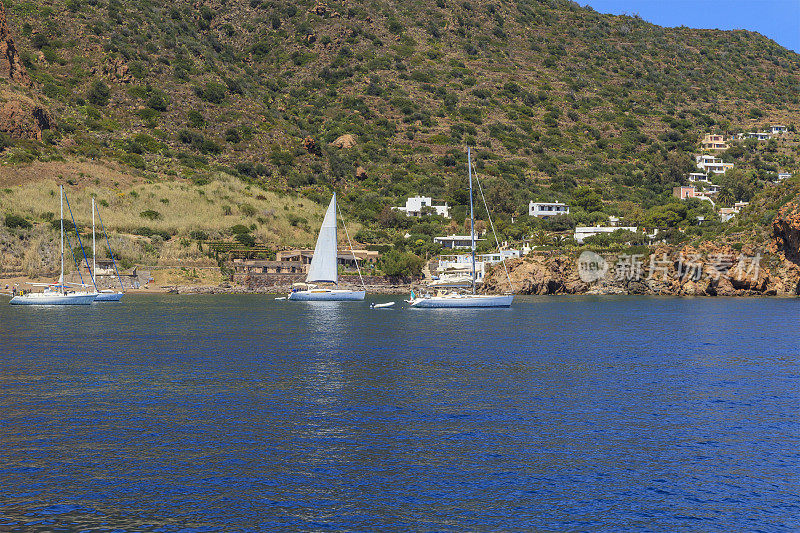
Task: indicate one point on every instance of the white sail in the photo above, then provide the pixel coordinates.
(323, 265)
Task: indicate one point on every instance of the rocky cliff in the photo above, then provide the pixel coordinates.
(22, 115)
(707, 270)
(10, 65)
(786, 229)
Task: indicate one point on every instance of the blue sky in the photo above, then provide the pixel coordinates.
(777, 19)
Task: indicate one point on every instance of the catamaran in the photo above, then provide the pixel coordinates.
(105, 295)
(56, 293)
(324, 267)
(455, 299)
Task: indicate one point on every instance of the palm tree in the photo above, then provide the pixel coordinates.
(540, 238)
(725, 197)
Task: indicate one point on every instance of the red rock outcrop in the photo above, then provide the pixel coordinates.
(786, 229)
(707, 270)
(22, 116)
(10, 64)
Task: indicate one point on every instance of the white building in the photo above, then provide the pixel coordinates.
(547, 209)
(784, 176)
(456, 241)
(697, 176)
(415, 206)
(777, 129)
(456, 270)
(711, 189)
(709, 163)
(584, 232)
(760, 135)
(502, 255)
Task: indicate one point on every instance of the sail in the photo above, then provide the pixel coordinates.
(323, 264)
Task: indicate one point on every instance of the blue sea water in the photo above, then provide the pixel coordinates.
(242, 413)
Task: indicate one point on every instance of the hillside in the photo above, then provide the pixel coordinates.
(562, 103)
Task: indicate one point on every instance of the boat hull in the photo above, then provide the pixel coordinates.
(463, 301)
(109, 297)
(327, 295)
(53, 299)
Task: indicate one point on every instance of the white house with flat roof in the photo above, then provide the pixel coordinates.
(416, 207)
(698, 176)
(710, 189)
(456, 270)
(759, 135)
(777, 129)
(456, 241)
(709, 163)
(547, 209)
(784, 176)
(584, 232)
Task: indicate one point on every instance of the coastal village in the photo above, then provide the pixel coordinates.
(452, 268)
(246, 265)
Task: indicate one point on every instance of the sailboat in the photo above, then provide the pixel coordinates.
(324, 268)
(57, 293)
(455, 299)
(105, 295)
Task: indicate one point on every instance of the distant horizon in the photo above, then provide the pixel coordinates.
(778, 20)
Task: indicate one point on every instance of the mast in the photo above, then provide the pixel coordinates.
(94, 246)
(61, 281)
(471, 218)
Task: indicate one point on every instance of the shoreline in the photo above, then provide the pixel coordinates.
(394, 290)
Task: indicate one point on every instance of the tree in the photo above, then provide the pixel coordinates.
(98, 94)
(589, 199)
(396, 263)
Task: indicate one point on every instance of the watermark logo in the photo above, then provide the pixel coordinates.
(682, 266)
(591, 266)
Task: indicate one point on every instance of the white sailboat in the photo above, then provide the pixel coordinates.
(105, 295)
(55, 294)
(455, 299)
(324, 268)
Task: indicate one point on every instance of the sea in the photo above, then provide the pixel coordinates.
(242, 413)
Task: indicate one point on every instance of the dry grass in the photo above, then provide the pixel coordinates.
(182, 206)
(81, 173)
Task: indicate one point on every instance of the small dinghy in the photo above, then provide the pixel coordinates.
(378, 306)
(281, 298)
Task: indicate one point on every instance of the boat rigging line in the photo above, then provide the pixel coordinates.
(489, 216)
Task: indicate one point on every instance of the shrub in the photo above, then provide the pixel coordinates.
(39, 41)
(16, 221)
(198, 235)
(211, 92)
(98, 94)
(232, 136)
(196, 119)
(239, 229)
(245, 239)
(151, 214)
(133, 160)
(68, 225)
(158, 101)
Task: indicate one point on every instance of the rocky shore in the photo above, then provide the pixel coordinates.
(708, 269)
